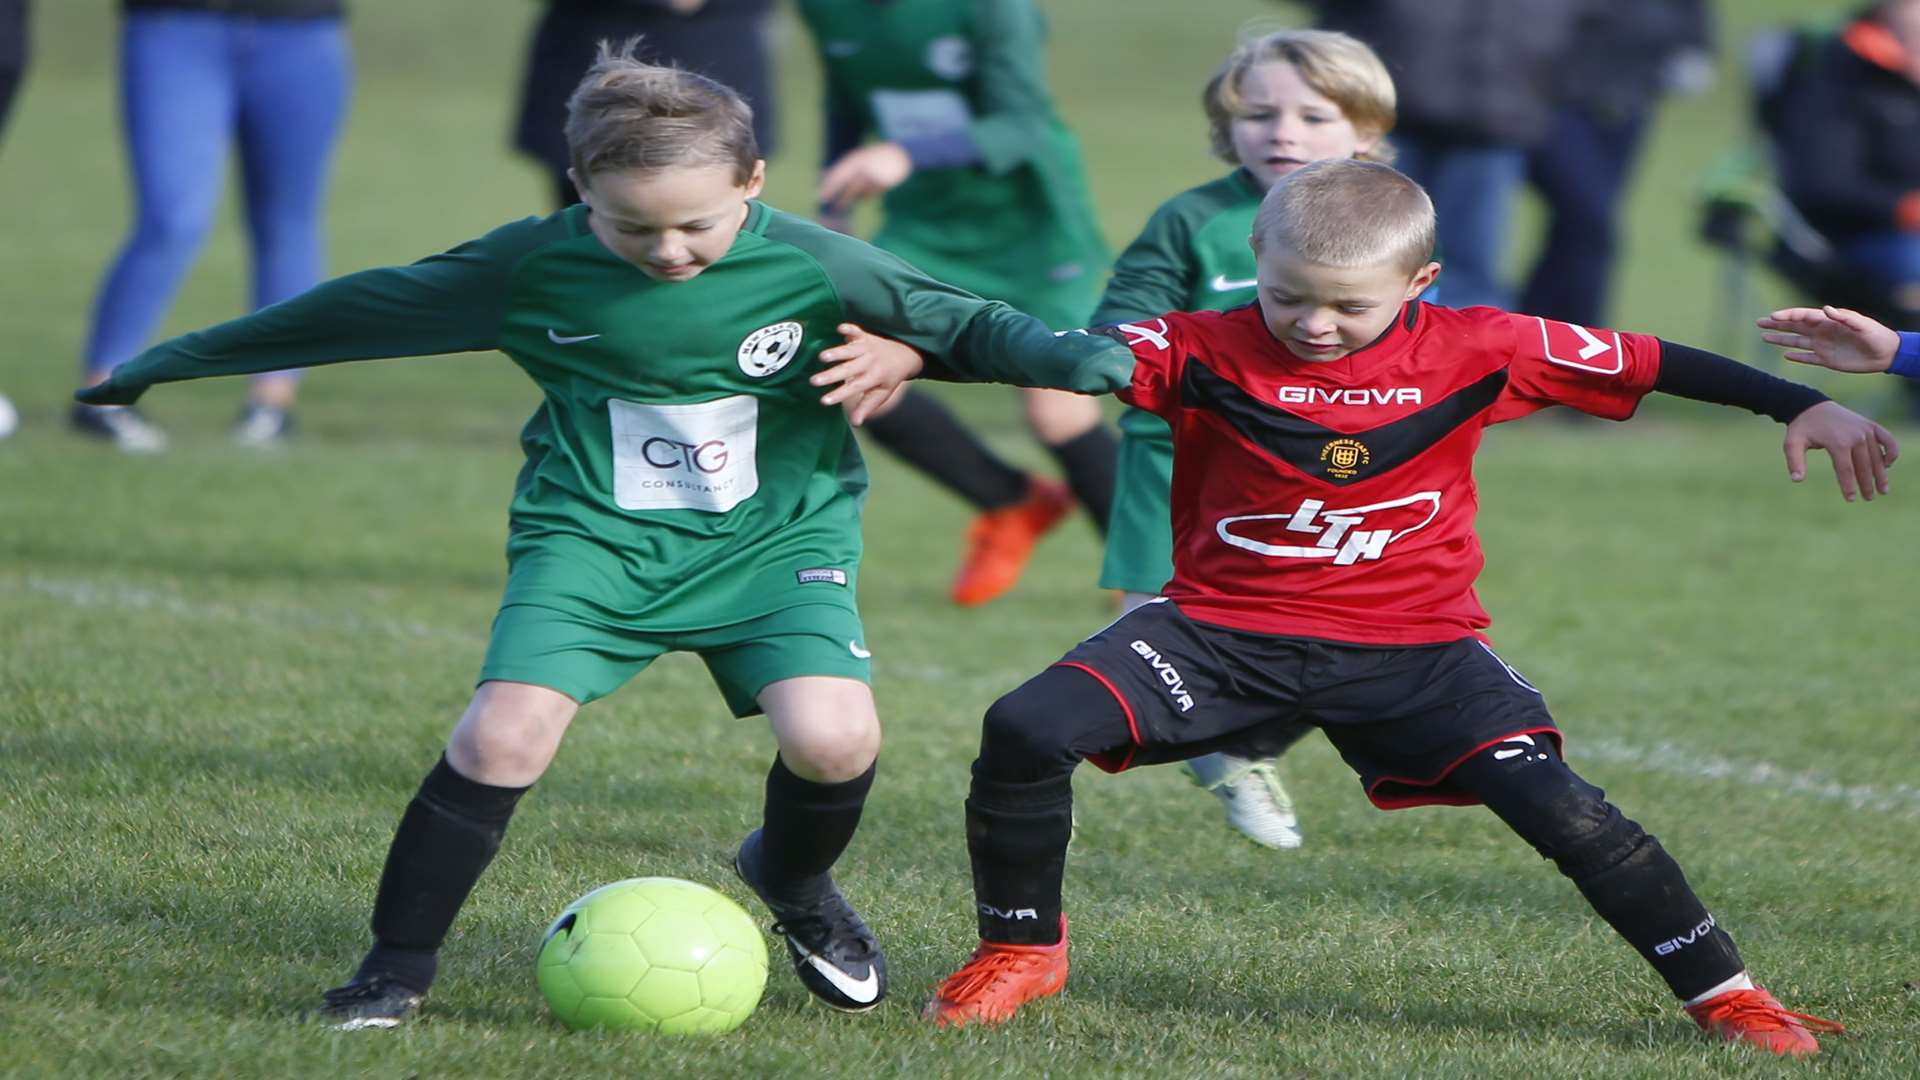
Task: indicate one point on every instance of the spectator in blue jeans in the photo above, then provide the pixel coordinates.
(1476, 83)
(197, 76)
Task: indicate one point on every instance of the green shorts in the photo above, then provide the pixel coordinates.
(585, 658)
(1139, 554)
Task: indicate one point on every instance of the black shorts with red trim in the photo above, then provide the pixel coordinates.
(1402, 716)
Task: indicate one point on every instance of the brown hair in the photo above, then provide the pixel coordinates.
(629, 114)
(1340, 68)
(1349, 213)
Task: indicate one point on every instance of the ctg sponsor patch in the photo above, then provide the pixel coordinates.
(685, 457)
(821, 576)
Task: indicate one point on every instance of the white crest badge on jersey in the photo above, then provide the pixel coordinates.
(950, 57)
(685, 457)
(1573, 346)
(770, 348)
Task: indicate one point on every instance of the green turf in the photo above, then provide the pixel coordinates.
(222, 673)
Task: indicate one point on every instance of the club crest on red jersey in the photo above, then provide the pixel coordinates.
(1345, 457)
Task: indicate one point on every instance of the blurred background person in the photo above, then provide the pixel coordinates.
(13, 64)
(1847, 128)
(13, 53)
(195, 76)
(725, 40)
(1627, 54)
(1477, 86)
(941, 109)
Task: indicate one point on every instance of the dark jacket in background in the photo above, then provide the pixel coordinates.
(1849, 123)
(260, 9)
(1621, 52)
(725, 40)
(1466, 70)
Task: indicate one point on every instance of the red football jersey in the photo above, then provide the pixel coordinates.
(1335, 500)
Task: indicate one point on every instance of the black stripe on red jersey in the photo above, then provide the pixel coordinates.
(1317, 451)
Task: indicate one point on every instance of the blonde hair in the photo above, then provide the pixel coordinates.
(629, 114)
(1340, 68)
(1348, 213)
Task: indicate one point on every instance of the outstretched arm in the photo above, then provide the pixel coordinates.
(1844, 340)
(1861, 450)
(960, 335)
(447, 303)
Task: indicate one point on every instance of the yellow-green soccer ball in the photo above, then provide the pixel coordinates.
(653, 954)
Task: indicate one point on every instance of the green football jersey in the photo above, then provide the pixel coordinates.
(1192, 256)
(1020, 222)
(680, 472)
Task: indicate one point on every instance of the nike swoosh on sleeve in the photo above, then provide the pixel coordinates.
(1221, 283)
(560, 339)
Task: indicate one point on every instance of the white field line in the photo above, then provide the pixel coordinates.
(1665, 758)
(1671, 759)
(119, 596)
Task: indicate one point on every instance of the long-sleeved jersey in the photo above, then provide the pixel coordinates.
(1336, 500)
(680, 470)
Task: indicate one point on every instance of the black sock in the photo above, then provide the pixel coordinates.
(448, 835)
(1646, 898)
(807, 826)
(1623, 872)
(923, 433)
(1090, 459)
(411, 968)
(1017, 836)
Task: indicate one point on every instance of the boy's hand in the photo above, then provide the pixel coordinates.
(869, 369)
(1861, 450)
(873, 169)
(1831, 337)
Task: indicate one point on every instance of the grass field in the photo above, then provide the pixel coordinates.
(223, 673)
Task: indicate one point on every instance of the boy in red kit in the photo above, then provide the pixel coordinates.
(1324, 559)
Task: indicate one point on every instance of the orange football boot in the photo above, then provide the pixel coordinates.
(999, 541)
(992, 985)
(1753, 1016)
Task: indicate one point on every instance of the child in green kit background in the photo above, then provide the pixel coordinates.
(1280, 101)
(981, 186)
(687, 488)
